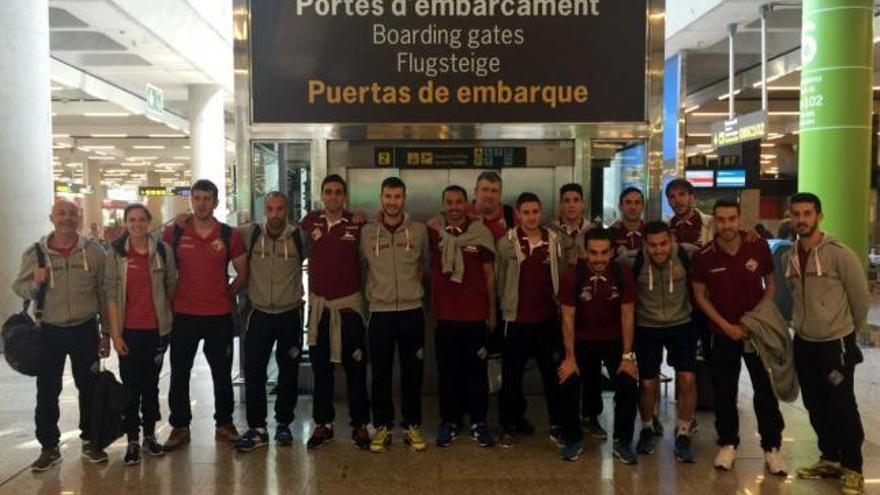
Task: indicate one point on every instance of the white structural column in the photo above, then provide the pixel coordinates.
(92, 203)
(208, 138)
(25, 135)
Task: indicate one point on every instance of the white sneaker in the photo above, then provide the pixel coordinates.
(775, 463)
(725, 458)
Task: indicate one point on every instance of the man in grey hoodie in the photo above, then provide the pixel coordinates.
(74, 275)
(395, 250)
(571, 224)
(275, 290)
(830, 299)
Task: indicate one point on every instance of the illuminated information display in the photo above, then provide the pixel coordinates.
(748, 127)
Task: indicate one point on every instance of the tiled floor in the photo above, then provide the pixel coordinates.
(530, 467)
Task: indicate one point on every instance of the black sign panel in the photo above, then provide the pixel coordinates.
(445, 61)
(451, 157)
(740, 129)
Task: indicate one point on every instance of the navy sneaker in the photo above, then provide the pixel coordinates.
(683, 451)
(480, 434)
(624, 453)
(556, 436)
(446, 434)
(251, 440)
(571, 452)
(283, 435)
(647, 442)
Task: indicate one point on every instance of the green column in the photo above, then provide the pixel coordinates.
(836, 103)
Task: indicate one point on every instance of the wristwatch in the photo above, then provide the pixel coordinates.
(629, 356)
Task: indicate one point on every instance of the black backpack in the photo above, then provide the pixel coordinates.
(295, 235)
(508, 216)
(225, 236)
(580, 278)
(640, 261)
(21, 333)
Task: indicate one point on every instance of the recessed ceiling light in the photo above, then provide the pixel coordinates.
(89, 147)
(141, 158)
(160, 136)
(148, 147)
(106, 114)
(109, 135)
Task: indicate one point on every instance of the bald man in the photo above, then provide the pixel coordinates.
(73, 277)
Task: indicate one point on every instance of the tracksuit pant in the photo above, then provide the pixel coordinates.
(590, 357)
(726, 359)
(80, 342)
(217, 332)
(139, 370)
(284, 332)
(403, 331)
(354, 363)
(542, 341)
(825, 371)
(461, 362)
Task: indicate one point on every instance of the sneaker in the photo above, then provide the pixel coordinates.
(47, 459)
(556, 436)
(725, 458)
(821, 469)
(624, 452)
(853, 482)
(132, 454)
(446, 434)
(252, 440)
(381, 439)
(594, 429)
(283, 435)
(658, 427)
(647, 442)
(178, 438)
(506, 438)
(571, 452)
(480, 434)
(412, 436)
(523, 427)
(227, 433)
(93, 454)
(683, 451)
(360, 436)
(320, 437)
(775, 463)
(152, 447)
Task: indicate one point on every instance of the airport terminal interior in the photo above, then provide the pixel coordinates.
(106, 104)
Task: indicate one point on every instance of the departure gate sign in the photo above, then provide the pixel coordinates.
(448, 61)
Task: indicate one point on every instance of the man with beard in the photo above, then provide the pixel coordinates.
(731, 276)
(530, 261)
(73, 279)
(571, 224)
(598, 297)
(628, 232)
(830, 304)
(203, 248)
(275, 290)
(689, 225)
(336, 315)
(463, 303)
(395, 250)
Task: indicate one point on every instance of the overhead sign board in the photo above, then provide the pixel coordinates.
(441, 61)
(155, 100)
(748, 127)
(451, 157)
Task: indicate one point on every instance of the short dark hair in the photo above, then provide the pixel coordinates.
(656, 227)
(806, 197)
(206, 186)
(726, 203)
(628, 190)
(679, 184)
(527, 197)
(393, 183)
(490, 176)
(135, 206)
(600, 234)
(278, 194)
(454, 188)
(571, 187)
(337, 179)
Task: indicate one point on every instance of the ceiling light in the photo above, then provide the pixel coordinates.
(169, 164)
(699, 134)
(141, 158)
(106, 114)
(769, 80)
(181, 157)
(784, 114)
(57, 88)
(768, 157)
(692, 109)
(186, 146)
(768, 145)
(165, 171)
(783, 88)
(160, 136)
(710, 114)
(774, 136)
(60, 135)
(727, 95)
(102, 158)
(109, 135)
(90, 147)
(149, 147)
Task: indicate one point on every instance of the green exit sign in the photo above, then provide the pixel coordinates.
(155, 100)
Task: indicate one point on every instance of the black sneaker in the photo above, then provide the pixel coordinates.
(647, 442)
(132, 454)
(523, 427)
(683, 451)
(93, 454)
(506, 438)
(594, 429)
(47, 459)
(556, 436)
(658, 427)
(152, 447)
